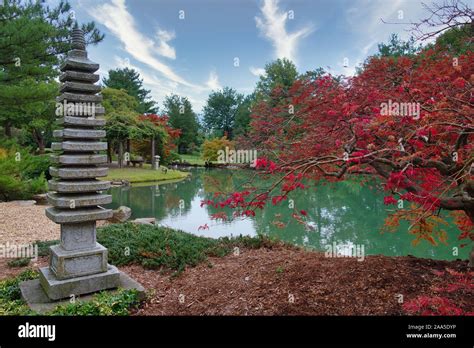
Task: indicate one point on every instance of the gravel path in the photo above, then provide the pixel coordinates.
(20, 224)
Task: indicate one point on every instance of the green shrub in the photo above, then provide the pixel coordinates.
(22, 175)
(158, 247)
(12, 188)
(135, 157)
(172, 156)
(259, 241)
(153, 247)
(33, 166)
(9, 143)
(211, 147)
(43, 246)
(21, 262)
(9, 289)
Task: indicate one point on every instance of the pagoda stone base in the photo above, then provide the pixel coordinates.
(77, 263)
(58, 289)
(35, 296)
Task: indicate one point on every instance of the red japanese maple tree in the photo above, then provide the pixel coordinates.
(405, 120)
(162, 121)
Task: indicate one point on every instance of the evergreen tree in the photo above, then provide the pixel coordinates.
(182, 116)
(33, 40)
(396, 47)
(129, 80)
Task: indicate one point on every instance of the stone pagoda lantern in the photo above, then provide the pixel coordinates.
(78, 265)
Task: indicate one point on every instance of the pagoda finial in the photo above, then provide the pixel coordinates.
(78, 40)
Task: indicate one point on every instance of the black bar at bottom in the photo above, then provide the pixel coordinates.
(452, 331)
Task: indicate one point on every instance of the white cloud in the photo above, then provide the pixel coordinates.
(366, 48)
(213, 81)
(117, 19)
(123, 63)
(364, 20)
(141, 48)
(164, 49)
(160, 88)
(272, 26)
(366, 15)
(257, 71)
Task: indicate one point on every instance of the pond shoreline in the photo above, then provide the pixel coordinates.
(212, 165)
(129, 175)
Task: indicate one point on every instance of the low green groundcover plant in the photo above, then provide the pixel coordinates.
(160, 247)
(20, 262)
(150, 246)
(10, 295)
(43, 250)
(104, 303)
(163, 248)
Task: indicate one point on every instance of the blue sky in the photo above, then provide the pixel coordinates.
(191, 47)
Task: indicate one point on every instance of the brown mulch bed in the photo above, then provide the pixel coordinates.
(7, 271)
(264, 281)
(283, 280)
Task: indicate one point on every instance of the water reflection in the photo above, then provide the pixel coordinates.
(344, 212)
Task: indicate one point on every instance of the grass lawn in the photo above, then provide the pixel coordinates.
(193, 159)
(135, 175)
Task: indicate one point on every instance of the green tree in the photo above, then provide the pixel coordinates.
(457, 40)
(281, 73)
(221, 110)
(182, 117)
(242, 118)
(118, 101)
(129, 80)
(33, 40)
(396, 47)
(121, 115)
(313, 75)
(38, 132)
(124, 123)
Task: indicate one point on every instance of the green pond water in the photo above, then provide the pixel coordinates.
(344, 213)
